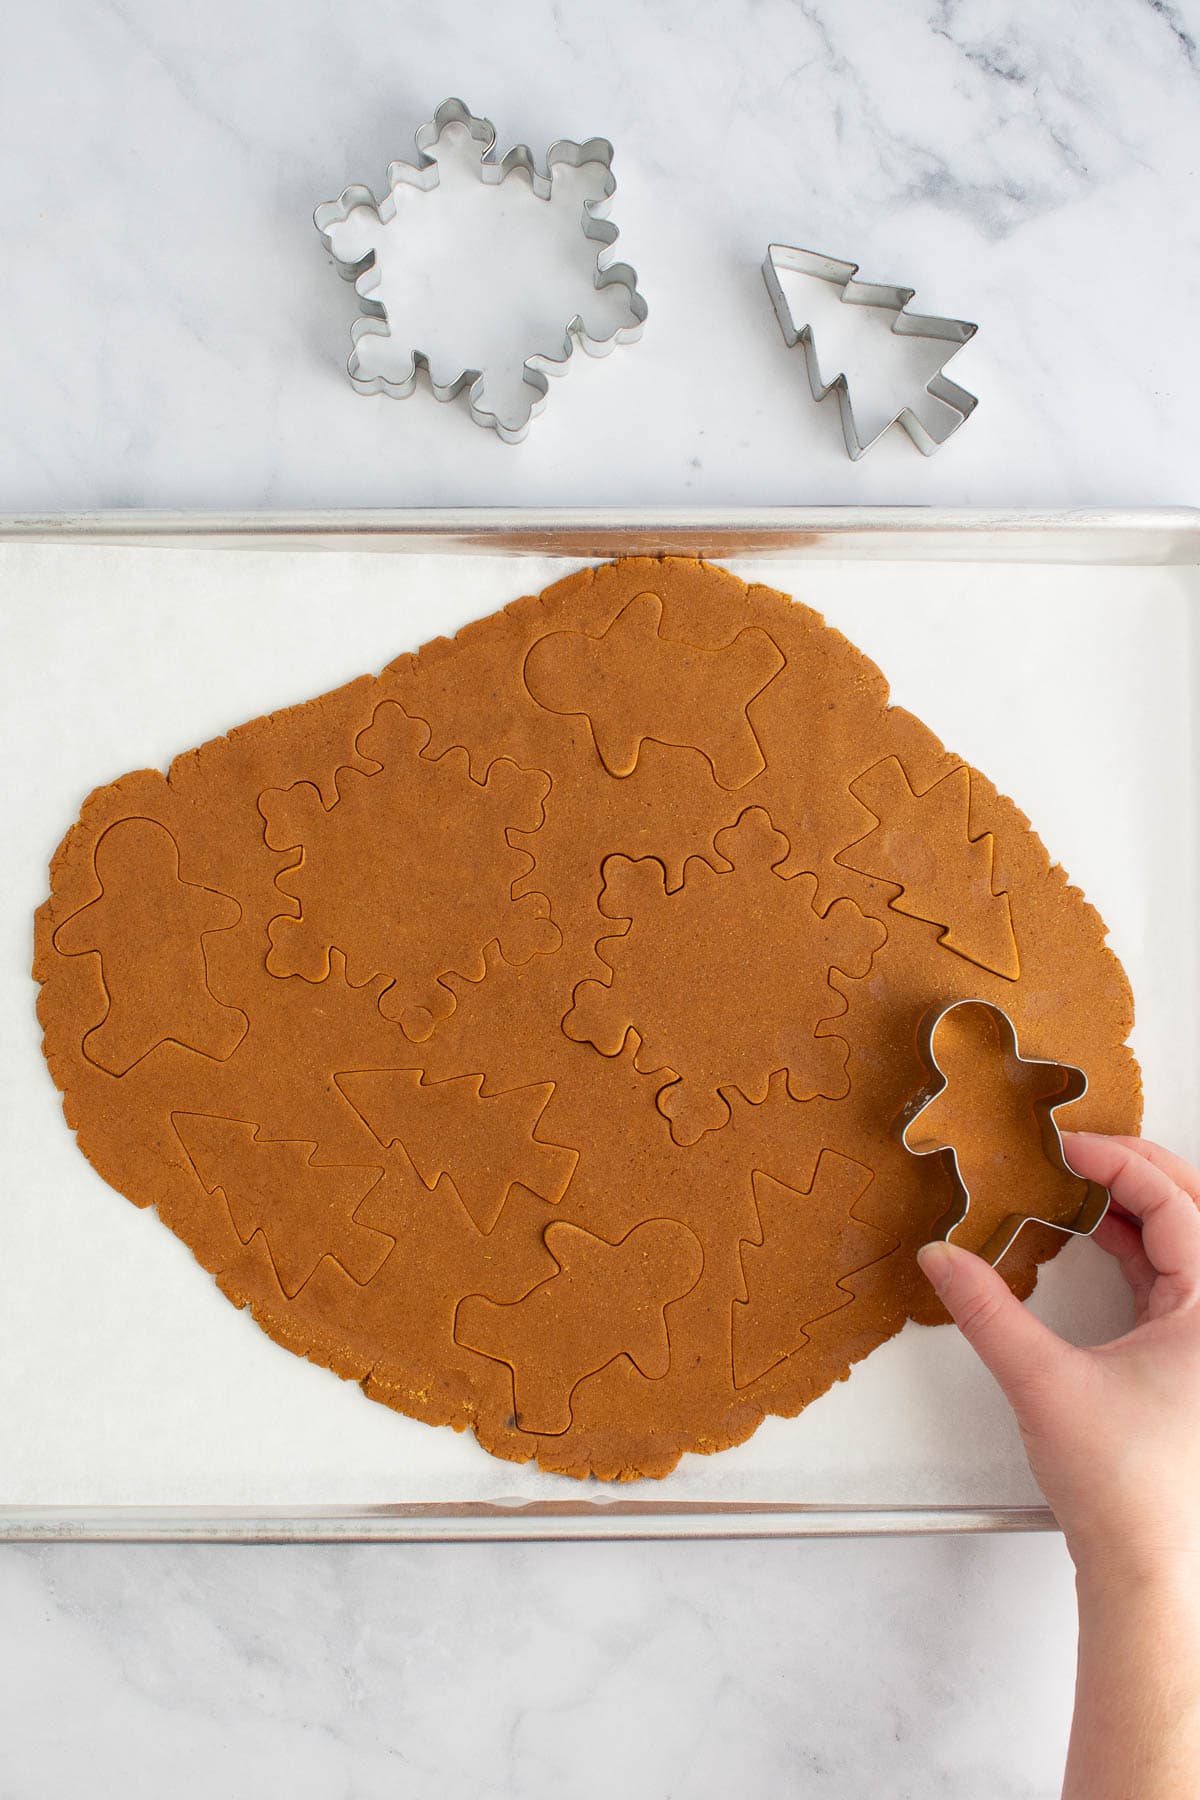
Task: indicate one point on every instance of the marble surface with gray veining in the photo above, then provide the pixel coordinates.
(920, 1669)
(173, 335)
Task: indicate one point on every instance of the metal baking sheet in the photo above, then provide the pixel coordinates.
(134, 1401)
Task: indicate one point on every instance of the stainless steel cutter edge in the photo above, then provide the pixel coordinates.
(864, 293)
(424, 174)
(1096, 1199)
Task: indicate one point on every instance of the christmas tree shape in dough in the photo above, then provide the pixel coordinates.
(485, 1143)
(809, 1241)
(922, 843)
(304, 1209)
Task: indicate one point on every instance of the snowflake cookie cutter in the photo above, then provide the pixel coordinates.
(424, 174)
(1095, 1203)
(955, 332)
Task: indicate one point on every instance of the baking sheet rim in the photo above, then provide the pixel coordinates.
(567, 1521)
(1102, 535)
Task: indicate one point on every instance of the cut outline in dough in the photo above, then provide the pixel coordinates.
(592, 990)
(209, 931)
(418, 1019)
(259, 1141)
(561, 1229)
(744, 1298)
(986, 838)
(619, 752)
(443, 1170)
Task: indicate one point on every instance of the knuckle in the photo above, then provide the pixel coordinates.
(977, 1314)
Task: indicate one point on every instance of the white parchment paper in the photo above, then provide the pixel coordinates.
(126, 1377)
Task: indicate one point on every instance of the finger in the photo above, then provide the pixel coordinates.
(1169, 1218)
(1184, 1174)
(1120, 1238)
(1015, 1346)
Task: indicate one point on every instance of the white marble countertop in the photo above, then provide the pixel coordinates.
(173, 337)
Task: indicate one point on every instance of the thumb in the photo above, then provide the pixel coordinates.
(1004, 1334)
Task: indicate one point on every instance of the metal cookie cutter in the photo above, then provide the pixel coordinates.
(863, 293)
(424, 174)
(1096, 1200)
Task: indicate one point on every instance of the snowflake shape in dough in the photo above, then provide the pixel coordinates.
(372, 241)
(411, 875)
(727, 979)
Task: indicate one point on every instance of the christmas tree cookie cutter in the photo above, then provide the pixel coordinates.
(423, 174)
(955, 332)
(1075, 1083)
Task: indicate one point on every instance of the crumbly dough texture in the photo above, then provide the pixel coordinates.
(521, 1033)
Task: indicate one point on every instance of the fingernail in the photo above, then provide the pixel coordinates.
(937, 1265)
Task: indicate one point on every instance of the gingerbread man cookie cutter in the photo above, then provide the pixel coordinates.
(1075, 1083)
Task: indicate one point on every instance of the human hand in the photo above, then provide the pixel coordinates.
(1112, 1433)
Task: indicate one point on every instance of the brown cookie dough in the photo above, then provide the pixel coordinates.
(521, 1032)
